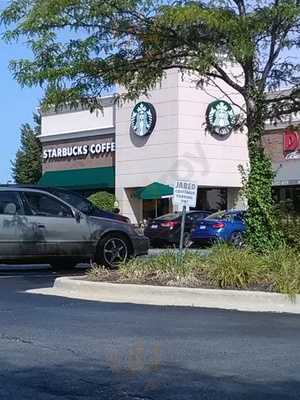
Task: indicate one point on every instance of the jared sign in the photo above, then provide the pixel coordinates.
(291, 144)
(185, 194)
(78, 151)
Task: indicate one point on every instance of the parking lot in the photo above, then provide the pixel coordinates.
(54, 347)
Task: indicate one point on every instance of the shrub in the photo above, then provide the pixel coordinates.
(289, 223)
(290, 227)
(97, 273)
(229, 267)
(103, 200)
(165, 268)
(283, 268)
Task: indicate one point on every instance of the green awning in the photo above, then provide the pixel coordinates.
(154, 191)
(87, 178)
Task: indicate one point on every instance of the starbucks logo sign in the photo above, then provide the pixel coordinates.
(143, 119)
(220, 118)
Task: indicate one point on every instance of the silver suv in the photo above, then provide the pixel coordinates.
(62, 228)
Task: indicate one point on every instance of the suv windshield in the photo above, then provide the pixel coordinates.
(77, 201)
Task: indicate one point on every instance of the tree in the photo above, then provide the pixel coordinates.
(133, 43)
(27, 166)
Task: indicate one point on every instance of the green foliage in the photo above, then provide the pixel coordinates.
(232, 268)
(225, 267)
(283, 267)
(290, 229)
(133, 42)
(103, 200)
(288, 223)
(27, 166)
(263, 231)
(162, 269)
(277, 270)
(166, 265)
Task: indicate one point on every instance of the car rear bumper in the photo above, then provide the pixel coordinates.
(163, 241)
(140, 245)
(165, 236)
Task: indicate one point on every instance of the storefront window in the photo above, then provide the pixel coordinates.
(288, 197)
(212, 199)
(155, 208)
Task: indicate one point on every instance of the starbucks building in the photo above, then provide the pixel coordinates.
(138, 150)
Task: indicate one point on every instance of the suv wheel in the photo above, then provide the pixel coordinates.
(113, 250)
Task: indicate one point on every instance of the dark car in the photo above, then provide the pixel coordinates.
(228, 226)
(166, 229)
(38, 225)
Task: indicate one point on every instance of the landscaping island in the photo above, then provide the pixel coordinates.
(224, 268)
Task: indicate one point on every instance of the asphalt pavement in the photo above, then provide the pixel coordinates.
(56, 348)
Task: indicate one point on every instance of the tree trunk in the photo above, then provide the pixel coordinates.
(262, 232)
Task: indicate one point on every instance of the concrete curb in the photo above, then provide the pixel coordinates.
(74, 287)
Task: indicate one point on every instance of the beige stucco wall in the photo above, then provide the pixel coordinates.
(202, 157)
(141, 161)
(179, 147)
(70, 121)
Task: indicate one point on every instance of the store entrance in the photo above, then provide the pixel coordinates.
(212, 199)
(155, 208)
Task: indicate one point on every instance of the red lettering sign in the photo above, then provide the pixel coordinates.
(291, 140)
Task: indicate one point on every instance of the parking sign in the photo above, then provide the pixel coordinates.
(185, 193)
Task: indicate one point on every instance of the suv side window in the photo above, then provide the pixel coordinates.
(10, 203)
(43, 205)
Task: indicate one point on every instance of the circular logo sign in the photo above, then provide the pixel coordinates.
(143, 118)
(220, 118)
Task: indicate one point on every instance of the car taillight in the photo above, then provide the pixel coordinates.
(169, 224)
(218, 225)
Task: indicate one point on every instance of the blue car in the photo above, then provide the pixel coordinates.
(228, 226)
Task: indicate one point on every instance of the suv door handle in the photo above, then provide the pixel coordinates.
(41, 226)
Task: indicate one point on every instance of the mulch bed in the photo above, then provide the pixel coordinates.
(114, 276)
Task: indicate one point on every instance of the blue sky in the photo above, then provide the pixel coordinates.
(16, 105)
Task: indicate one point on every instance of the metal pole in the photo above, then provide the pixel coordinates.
(182, 229)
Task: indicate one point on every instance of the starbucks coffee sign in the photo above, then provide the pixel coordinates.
(220, 118)
(143, 119)
(78, 150)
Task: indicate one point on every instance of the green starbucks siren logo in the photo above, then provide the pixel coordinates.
(220, 118)
(143, 119)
